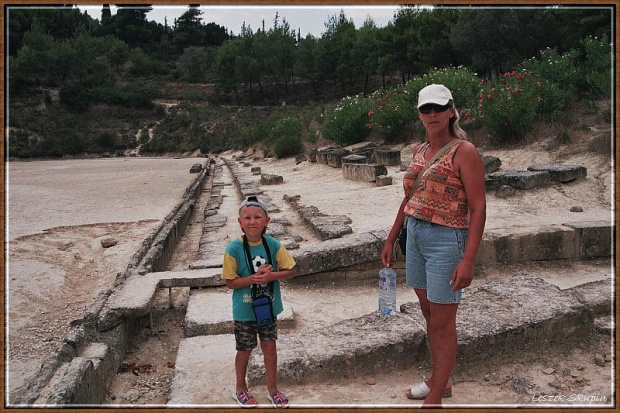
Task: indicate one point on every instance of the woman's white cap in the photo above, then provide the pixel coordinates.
(437, 94)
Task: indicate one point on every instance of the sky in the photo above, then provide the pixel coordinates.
(309, 19)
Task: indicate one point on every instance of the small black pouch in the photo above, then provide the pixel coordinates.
(263, 310)
(402, 240)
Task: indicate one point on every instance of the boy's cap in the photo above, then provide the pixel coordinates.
(437, 94)
(252, 200)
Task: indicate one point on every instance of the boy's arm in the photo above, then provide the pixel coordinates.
(229, 273)
(265, 274)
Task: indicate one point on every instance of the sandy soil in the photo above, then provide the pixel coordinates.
(60, 210)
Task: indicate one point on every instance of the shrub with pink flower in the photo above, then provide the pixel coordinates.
(391, 115)
(508, 108)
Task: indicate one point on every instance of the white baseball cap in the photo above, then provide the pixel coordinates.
(437, 94)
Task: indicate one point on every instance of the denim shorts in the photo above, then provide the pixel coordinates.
(433, 252)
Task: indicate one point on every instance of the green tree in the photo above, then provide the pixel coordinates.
(195, 62)
(118, 53)
(306, 62)
(365, 51)
(188, 30)
(490, 37)
(131, 24)
(224, 68)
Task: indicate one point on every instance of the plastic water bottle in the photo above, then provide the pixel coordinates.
(387, 291)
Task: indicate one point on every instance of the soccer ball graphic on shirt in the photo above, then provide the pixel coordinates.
(257, 262)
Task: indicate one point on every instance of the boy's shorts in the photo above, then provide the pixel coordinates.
(245, 334)
(433, 252)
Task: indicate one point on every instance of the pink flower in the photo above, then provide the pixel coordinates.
(370, 113)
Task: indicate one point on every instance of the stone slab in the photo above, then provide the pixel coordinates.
(388, 157)
(364, 172)
(527, 244)
(210, 312)
(353, 158)
(512, 314)
(135, 297)
(209, 263)
(339, 252)
(200, 360)
(350, 348)
(383, 180)
(517, 179)
(491, 164)
(595, 296)
(594, 238)
(562, 172)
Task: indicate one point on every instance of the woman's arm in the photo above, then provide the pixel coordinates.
(471, 170)
(386, 254)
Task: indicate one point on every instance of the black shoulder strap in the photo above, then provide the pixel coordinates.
(248, 256)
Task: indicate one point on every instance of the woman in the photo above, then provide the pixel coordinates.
(445, 221)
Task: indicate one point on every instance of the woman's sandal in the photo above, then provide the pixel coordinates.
(245, 399)
(420, 391)
(278, 400)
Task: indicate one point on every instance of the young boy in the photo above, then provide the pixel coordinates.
(267, 263)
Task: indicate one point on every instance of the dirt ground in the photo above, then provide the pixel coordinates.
(59, 211)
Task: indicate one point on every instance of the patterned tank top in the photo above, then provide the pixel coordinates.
(440, 197)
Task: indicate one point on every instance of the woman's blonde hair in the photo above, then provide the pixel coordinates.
(455, 127)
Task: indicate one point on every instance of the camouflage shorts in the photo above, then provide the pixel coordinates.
(245, 334)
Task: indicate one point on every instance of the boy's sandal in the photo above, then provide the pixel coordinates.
(420, 391)
(245, 399)
(278, 400)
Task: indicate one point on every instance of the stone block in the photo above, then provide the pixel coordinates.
(196, 168)
(354, 159)
(214, 221)
(267, 179)
(311, 155)
(383, 180)
(595, 296)
(491, 164)
(198, 361)
(363, 172)
(334, 157)
(351, 348)
(340, 252)
(255, 170)
(135, 297)
(388, 157)
(517, 179)
(509, 315)
(593, 238)
(299, 158)
(505, 191)
(532, 244)
(561, 172)
(326, 226)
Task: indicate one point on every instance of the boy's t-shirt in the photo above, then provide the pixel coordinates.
(236, 265)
